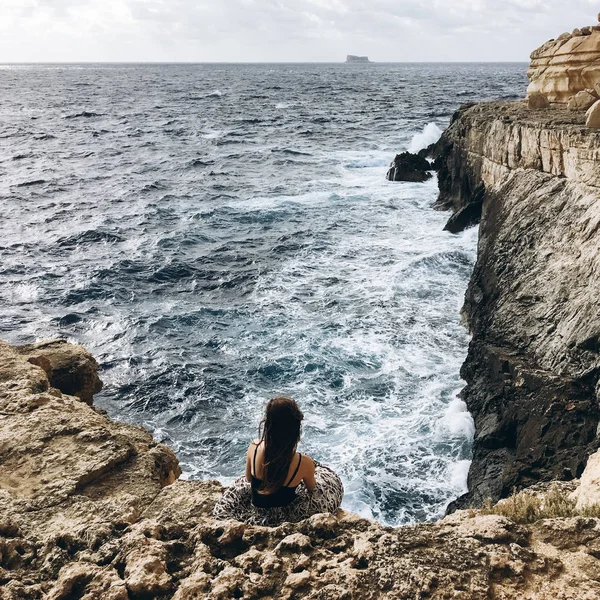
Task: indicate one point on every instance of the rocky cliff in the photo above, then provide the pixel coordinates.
(532, 177)
(567, 65)
(91, 509)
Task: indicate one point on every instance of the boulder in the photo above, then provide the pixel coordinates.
(69, 368)
(537, 100)
(593, 116)
(409, 167)
(582, 100)
(588, 492)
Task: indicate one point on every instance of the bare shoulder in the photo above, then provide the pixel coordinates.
(308, 464)
(253, 445)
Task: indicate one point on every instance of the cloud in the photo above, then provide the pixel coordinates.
(282, 30)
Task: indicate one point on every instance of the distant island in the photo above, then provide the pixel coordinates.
(357, 59)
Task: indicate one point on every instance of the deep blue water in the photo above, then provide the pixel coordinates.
(219, 234)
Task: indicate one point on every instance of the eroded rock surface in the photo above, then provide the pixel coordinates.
(91, 509)
(534, 360)
(562, 67)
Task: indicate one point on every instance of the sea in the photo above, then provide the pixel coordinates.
(219, 234)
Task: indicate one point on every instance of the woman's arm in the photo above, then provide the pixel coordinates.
(309, 473)
(249, 456)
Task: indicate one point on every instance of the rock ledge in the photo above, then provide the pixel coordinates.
(92, 509)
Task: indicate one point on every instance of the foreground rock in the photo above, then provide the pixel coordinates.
(90, 509)
(537, 101)
(533, 365)
(409, 167)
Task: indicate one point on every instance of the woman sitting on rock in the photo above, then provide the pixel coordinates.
(281, 484)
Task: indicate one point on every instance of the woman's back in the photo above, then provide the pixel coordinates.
(301, 468)
(280, 484)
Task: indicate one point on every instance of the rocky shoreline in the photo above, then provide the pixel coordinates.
(91, 509)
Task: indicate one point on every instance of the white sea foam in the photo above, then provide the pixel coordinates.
(24, 292)
(458, 419)
(215, 94)
(459, 472)
(368, 162)
(431, 133)
(212, 134)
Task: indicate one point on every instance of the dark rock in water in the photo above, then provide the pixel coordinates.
(69, 319)
(409, 167)
(432, 152)
(427, 152)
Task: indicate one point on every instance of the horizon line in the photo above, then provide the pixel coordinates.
(319, 62)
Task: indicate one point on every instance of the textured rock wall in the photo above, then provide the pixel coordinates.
(90, 509)
(532, 304)
(562, 67)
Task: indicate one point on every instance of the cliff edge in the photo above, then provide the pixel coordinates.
(91, 509)
(532, 178)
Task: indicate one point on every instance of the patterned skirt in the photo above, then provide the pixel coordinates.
(236, 501)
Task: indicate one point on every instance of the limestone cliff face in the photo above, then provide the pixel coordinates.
(562, 67)
(533, 365)
(90, 509)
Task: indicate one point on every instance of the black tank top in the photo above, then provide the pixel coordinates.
(282, 497)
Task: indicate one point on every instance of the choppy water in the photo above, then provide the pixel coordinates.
(218, 234)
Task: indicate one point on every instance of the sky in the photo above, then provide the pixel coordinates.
(283, 30)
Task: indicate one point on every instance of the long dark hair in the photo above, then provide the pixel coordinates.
(280, 431)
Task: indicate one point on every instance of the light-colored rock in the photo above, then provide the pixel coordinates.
(537, 100)
(54, 447)
(582, 100)
(297, 542)
(113, 532)
(297, 580)
(146, 574)
(69, 368)
(593, 116)
(588, 492)
(99, 583)
(568, 65)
